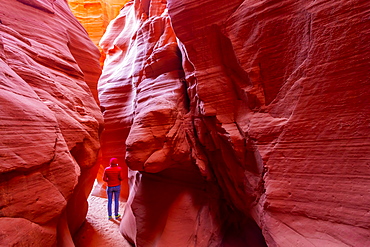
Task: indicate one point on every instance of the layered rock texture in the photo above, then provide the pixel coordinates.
(50, 122)
(95, 15)
(244, 123)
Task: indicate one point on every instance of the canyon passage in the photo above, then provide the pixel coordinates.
(238, 123)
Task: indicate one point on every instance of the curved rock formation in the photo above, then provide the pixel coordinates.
(95, 15)
(241, 117)
(294, 73)
(50, 122)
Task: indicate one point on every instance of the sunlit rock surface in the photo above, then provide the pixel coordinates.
(50, 122)
(238, 114)
(95, 15)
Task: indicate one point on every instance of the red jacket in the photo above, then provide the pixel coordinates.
(112, 175)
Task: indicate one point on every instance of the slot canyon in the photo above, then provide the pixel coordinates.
(237, 122)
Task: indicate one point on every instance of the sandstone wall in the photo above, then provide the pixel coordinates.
(50, 122)
(95, 15)
(237, 116)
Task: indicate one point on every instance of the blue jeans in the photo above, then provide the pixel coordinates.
(110, 191)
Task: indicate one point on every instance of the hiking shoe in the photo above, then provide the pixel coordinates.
(118, 216)
(110, 218)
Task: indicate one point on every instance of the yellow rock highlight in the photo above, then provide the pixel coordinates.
(95, 15)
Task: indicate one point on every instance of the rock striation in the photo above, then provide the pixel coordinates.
(243, 123)
(50, 122)
(94, 15)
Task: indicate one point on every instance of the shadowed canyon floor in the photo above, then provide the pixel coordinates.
(97, 230)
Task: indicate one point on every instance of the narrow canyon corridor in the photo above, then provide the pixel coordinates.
(98, 230)
(236, 123)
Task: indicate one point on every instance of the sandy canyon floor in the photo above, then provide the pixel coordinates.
(98, 231)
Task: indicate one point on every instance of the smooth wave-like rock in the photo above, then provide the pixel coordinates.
(95, 15)
(293, 74)
(243, 122)
(50, 122)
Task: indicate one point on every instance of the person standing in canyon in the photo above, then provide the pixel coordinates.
(113, 176)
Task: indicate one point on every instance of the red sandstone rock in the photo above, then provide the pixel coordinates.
(265, 121)
(50, 122)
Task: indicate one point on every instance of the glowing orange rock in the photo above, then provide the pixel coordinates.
(95, 16)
